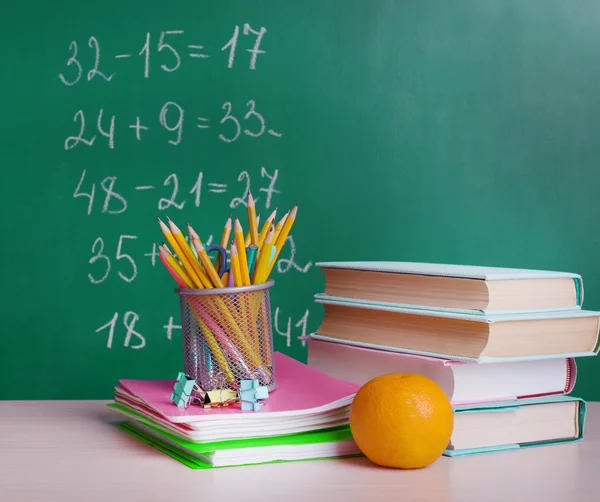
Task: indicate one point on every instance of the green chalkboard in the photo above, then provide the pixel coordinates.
(458, 132)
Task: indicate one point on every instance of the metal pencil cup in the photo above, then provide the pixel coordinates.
(227, 336)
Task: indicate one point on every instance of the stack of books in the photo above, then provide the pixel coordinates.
(501, 343)
(304, 418)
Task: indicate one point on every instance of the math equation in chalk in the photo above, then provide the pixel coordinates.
(230, 124)
(123, 328)
(111, 197)
(164, 51)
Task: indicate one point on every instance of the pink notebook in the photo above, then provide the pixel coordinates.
(301, 391)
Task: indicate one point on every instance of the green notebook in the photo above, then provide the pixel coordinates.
(326, 444)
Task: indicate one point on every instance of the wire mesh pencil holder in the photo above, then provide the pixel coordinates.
(227, 336)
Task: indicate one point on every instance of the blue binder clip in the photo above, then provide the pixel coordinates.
(250, 392)
(182, 390)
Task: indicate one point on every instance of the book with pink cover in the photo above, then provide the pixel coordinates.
(463, 382)
(301, 391)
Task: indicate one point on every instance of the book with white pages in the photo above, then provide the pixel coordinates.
(459, 288)
(463, 382)
(461, 336)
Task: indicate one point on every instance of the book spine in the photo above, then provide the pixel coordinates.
(579, 290)
(571, 375)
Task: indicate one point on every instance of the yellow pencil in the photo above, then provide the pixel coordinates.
(180, 254)
(235, 265)
(265, 228)
(175, 264)
(260, 270)
(281, 238)
(193, 234)
(208, 266)
(241, 249)
(187, 251)
(279, 226)
(224, 240)
(172, 262)
(249, 234)
(252, 222)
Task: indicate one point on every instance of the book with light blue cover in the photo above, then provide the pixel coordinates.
(476, 290)
(458, 335)
(518, 424)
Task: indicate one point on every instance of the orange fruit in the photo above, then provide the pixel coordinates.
(401, 420)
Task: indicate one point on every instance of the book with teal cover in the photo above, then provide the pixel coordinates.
(508, 406)
(466, 316)
(482, 273)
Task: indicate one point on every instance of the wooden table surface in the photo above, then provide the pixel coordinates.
(70, 450)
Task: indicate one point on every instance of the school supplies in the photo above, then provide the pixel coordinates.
(464, 383)
(319, 445)
(248, 241)
(306, 399)
(511, 425)
(208, 266)
(282, 236)
(460, 336)
(252, 221)
(252, 252)
(182, 390)
(250, 394)
(226, 330)
(241, 249)
(265, 229)
(279, 226)
(224, 239)
(305, 419)
(262, 266)
(500, 342)
(461, 288)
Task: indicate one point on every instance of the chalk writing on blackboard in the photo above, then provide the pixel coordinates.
(122, 327)
(129, 320)
(99, 256)
(171, 118)
(170, 326)
(241, 121)
(287, 333)
(114, 201)
(170, 48)
(285, 264)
